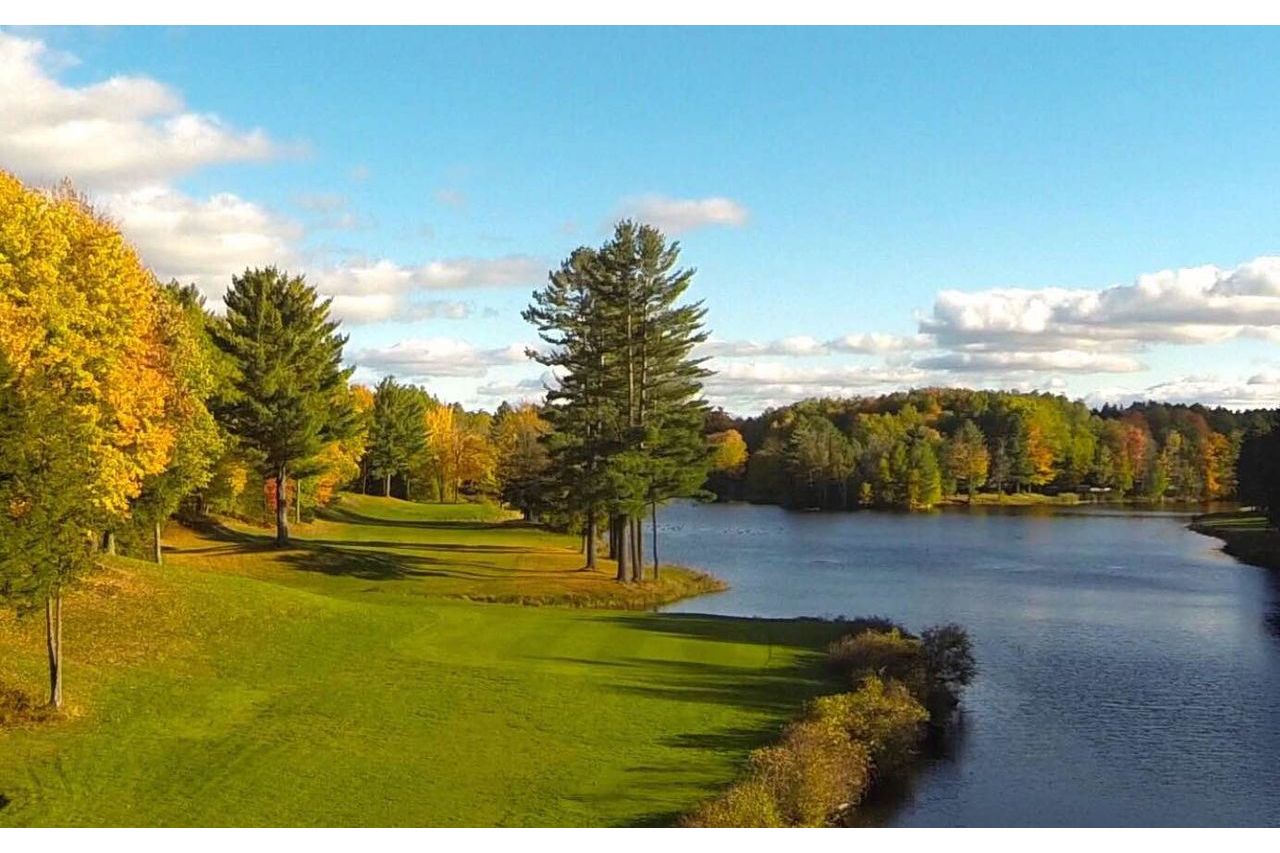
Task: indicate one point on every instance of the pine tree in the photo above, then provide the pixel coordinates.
(287, 355)
(627, 414)
(397, 436)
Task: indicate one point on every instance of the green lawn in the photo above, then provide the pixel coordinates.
(238, 685)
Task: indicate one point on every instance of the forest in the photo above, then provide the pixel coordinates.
(914, 449)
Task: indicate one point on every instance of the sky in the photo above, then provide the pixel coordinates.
(1094, 212)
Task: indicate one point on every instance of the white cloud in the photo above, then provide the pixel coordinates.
(1062, 361)
(1203, 304)
(680, 215)
(421, 359)
(806, 345)
(1258, 391)
(466, 273)
(120, 132)
(203, 241)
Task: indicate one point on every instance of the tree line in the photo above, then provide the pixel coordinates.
(124, 401)
(910, 450)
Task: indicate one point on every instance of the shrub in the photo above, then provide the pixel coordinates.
(815, 772)
(746, 804)
(948, 663)
(882, 715)
(884, 654)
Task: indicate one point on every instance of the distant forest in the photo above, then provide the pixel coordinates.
(911, 450)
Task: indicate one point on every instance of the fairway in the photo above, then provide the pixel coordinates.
(343, 683)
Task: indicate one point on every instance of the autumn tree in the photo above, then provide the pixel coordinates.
(287, 354)
(522, 460)
(198, 441)
(458, 450)
(967, 458)
(84, 384)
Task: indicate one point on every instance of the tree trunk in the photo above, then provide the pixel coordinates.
(53, 642)
(282, 507)
(386, 486)
(637, 550)
(159, 551)
(109, 542)
(621, 525)
(653, 516)
(297, 501)
(591, 539)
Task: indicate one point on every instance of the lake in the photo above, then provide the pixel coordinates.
(1130, 671)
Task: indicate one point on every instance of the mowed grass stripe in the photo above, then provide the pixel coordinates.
(234, 687)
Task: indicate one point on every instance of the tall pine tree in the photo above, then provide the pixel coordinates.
(288, 372)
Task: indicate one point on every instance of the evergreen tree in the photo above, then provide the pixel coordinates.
(287, 356)
(397, 434)
(627, 414)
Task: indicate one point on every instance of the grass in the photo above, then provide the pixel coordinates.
(1246, 535)
(472, 551)
(348, 682)
(1017, 499)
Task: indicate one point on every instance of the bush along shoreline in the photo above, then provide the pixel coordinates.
(843, 746)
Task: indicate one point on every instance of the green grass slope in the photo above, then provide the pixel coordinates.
(237, 685)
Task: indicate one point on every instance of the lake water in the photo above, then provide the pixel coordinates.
(1130, 672)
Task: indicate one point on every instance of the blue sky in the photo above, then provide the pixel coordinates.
(971, 206)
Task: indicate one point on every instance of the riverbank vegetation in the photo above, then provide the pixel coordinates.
(828, 760)
(910, 450)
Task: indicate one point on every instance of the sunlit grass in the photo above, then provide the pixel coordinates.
(240, 685)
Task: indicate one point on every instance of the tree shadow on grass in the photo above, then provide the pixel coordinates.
(355, 559)
(792, 671)
(399, 544)
(347, 516)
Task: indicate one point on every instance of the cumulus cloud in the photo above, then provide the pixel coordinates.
(1061, 361)
(740, 386)
(120, 132)
(202, 241)
(806, 345)
(421, 359)
(681, 215)
(1203, 304)
(383, 290)
(1262, 390)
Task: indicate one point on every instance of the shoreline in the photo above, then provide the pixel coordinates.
(1245, 535)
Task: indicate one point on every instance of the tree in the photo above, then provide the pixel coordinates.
(967, 457)
(627, 413)
(458, 450)
(397, 435)
(728, 451)
(522, 459)
(287, 355)
(84, 380)
(198, 441)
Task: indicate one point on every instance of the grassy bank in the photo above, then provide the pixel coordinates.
(1019, 499)
(1245, 535)
(347, 682)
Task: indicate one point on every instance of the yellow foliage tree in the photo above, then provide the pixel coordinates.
(458, 451)
(728, 451)
(82, 348)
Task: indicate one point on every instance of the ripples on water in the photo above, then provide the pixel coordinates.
(1130, 671)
